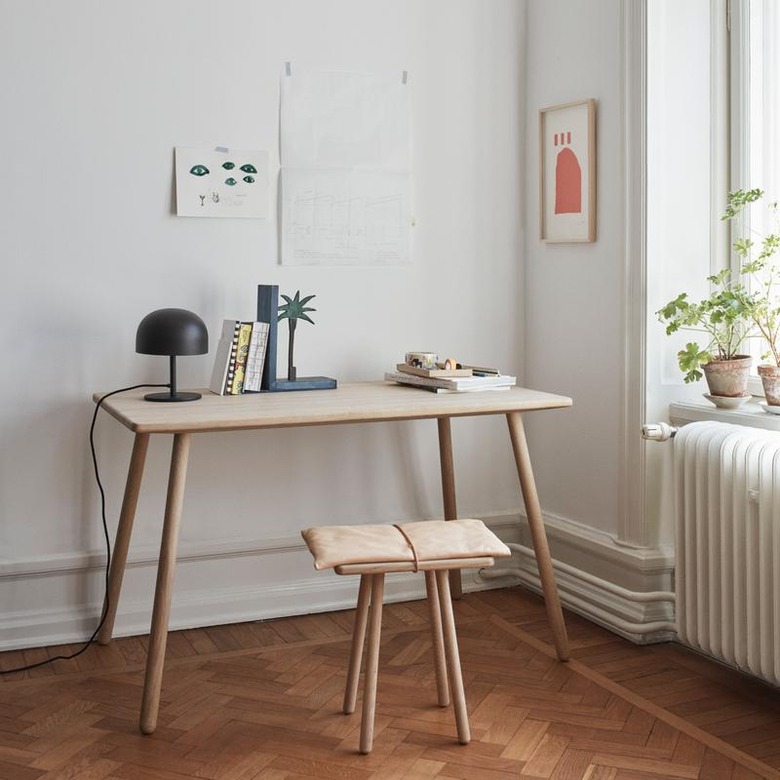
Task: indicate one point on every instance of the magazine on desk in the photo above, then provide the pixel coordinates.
(456, 384)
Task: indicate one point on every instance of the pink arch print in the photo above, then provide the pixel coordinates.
(568, 178)
(567, 172)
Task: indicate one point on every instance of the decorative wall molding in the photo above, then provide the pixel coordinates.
(58, 598)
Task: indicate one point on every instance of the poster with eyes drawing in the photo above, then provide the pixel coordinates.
(221, 182)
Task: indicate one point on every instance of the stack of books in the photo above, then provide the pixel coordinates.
(464, 379)
(238, 365)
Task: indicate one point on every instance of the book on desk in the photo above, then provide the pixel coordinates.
(449, 380)
(240, 357)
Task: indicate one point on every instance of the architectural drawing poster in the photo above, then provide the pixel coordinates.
(346, 169)
(221, 183)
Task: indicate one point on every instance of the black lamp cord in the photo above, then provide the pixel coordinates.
(89, 641)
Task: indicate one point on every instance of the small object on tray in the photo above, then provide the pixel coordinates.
(421, 359)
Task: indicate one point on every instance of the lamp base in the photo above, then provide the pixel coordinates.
(172, 397)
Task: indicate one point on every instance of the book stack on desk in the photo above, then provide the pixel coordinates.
(464, 379)
(238, 363)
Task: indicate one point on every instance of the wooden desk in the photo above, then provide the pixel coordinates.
(350, 403)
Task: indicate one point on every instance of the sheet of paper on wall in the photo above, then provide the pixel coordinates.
(346, 169)
(221, 183)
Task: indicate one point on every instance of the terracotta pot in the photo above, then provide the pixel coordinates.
(770, 379)
(728, 378)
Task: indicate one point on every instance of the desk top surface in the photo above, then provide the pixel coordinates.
(349, 403)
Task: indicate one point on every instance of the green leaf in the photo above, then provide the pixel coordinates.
(690, 360)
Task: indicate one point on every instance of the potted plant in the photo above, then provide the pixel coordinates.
(759, 263)
(725, 319)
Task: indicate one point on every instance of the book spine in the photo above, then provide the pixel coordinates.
(404, 368)
(253, 378)
(232, 359)
(222, 357)
(268, 312)
(242, 350)
(419, 381)
(466, 383)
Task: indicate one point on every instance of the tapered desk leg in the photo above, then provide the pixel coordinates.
(123, 533)
(448, 490)
(538, 536)
(164, 588)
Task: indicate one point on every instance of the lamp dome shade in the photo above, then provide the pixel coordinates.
(172, 332)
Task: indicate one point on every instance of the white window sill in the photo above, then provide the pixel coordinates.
(750, 414)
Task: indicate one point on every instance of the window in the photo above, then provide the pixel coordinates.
(755, 105)
(754, 49)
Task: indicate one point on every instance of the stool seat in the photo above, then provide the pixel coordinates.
(431, 546)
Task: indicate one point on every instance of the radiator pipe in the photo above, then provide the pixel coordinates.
(658, 431)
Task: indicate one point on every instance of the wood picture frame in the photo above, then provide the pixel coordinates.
(567, 172)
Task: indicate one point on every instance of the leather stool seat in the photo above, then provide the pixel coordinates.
(432, 546)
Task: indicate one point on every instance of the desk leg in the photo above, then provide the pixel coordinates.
(536, 525)
(164, 588)
(123, 533)
(448, 490)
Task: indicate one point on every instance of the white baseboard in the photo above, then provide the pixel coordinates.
(57, 599)
(266, 579)
(595, 561)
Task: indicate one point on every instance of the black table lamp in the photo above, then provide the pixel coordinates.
(172, 332)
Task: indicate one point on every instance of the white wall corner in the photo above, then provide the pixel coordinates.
(627, 590)
(632, 522)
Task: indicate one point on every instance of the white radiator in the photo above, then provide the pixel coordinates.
(727, 494)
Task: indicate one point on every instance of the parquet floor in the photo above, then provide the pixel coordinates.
(261, 701)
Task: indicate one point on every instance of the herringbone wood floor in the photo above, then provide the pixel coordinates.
(262, 701)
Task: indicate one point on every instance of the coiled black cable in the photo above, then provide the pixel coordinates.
(89, 641)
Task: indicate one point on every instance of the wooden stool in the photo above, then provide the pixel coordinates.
(433, 547)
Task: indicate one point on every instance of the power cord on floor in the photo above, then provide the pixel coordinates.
(89, 641)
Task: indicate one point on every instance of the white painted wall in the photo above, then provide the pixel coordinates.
(94, 97)
(97, 95)
(573, 291)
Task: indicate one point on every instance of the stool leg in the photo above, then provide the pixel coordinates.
(372, 663)
(439, 656)
(358, 639)
(453, 657)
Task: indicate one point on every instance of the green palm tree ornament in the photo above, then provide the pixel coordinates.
(293, 310)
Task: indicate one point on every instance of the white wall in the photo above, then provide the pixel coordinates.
(574, 291)
(576, 304)
(97, 95)
(94, 97)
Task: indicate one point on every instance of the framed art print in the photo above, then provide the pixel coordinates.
(567, 172)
